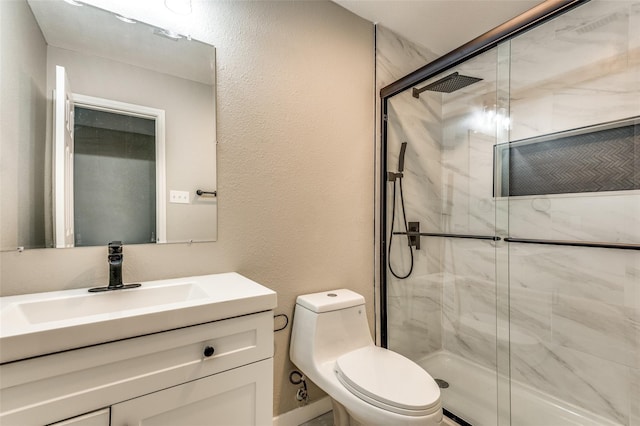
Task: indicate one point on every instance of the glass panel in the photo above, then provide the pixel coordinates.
(575, 311)
(443, 314)
(502, 250)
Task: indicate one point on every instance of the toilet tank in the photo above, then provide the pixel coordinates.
(327, 325)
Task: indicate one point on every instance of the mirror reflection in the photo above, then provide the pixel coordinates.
(108, 129)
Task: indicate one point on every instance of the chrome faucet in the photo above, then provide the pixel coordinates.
(115, 265)
(115, 258)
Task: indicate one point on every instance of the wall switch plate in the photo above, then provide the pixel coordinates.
(179, 197)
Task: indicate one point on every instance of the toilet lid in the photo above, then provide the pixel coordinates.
(388, 380)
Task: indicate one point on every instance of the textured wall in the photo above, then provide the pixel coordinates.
(295, 167)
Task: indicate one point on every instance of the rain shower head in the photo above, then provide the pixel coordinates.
(448, 84)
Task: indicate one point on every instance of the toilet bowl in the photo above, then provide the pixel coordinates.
(331, 345)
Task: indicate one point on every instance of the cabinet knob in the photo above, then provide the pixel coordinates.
(208, 351)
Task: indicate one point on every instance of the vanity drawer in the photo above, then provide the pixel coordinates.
(59, 385)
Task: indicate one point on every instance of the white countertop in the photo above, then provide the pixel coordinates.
(43, 323)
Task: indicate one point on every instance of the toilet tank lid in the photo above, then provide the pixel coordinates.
(331, 300)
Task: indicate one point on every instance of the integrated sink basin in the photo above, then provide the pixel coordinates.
(88, 304)
(43, 323)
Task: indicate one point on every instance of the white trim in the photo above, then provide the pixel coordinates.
(303, 414)
(108, 105)
(58, 172)
(63, 231)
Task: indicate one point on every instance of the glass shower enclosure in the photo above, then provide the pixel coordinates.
(510, 219)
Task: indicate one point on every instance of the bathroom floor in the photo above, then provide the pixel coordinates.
(324, 420)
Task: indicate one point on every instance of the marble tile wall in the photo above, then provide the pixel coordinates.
(469, 300)
(577, 70)
(414, 304)
(469, 266)
(580, 306)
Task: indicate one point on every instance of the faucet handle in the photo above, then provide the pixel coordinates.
(115, 247)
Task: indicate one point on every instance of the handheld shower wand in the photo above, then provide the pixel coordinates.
(403, 150)
(393, 177)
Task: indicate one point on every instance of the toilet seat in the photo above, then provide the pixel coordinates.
(389, 381)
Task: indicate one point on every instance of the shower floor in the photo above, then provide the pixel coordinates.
(471, 395)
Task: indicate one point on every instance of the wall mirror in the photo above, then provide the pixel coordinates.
(108, 129)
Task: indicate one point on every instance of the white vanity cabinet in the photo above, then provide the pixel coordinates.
(96, 418)
(235, 397)
(219, 372)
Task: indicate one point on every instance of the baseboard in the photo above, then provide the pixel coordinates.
(303, 414)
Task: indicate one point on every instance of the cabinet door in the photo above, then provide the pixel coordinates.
(242, 397)
(96, 418)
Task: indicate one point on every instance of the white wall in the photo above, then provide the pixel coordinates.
(295, 167)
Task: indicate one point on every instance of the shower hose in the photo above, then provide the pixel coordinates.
(404, 220)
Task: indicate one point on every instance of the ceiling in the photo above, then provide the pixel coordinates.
(439, 25)
(95, 31)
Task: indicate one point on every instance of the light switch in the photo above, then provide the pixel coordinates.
(179, 197)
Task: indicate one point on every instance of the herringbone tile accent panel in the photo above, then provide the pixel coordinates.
(604, 160)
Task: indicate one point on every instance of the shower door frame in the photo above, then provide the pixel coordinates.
(510, 29)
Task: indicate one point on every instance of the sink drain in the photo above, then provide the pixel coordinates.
(442, 384)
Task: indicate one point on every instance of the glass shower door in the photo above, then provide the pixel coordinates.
(574, 176)
(517, 173)
(442, 299)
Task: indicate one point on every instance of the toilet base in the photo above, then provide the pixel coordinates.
(341, 416)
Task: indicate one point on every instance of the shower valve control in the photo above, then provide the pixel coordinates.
(414, 240)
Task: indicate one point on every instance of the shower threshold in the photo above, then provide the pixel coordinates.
(472, 391)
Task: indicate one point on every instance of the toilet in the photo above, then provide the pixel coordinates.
(332, 346)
